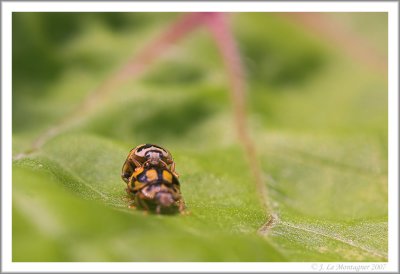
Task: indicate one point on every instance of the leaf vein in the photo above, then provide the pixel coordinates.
(339, 239)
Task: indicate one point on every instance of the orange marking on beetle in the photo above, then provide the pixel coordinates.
(151, 175)
(138, 170)
(138, 185)
(167, 176)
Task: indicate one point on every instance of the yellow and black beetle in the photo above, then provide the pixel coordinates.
(146, 155)
(156, 189)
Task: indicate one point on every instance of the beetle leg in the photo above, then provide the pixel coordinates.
(163, 164)
(136, 163)
(127, 170)
(129, 185)
(132, 206)
(173, 170)
(129, 193)
(182, 207)
(141, 203)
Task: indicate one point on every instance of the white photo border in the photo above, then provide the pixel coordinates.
(7, 7)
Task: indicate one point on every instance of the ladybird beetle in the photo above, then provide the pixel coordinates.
(155, 189)
(147, 155)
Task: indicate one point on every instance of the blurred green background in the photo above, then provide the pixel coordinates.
(317, 114)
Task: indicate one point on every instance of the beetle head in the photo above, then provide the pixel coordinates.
(153, 157)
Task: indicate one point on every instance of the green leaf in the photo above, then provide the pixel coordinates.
(318, 119)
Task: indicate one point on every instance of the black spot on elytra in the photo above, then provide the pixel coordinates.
(159, 175)
(142, 177)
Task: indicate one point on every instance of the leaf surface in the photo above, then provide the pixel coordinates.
(317, 117)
